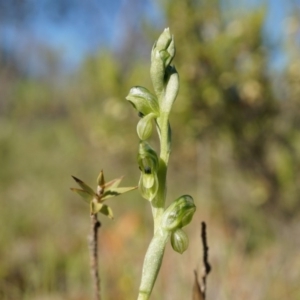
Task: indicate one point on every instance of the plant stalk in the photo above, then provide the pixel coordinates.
(93, 245)
(152, 263)
(155, 252)
(158, 204)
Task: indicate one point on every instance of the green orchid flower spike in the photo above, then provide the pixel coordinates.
(104, 191)
(154, 110)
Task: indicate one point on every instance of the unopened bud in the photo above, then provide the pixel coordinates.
(179, 213)
(164, 40)
(163, 52)
(144, 127)
(179, 241)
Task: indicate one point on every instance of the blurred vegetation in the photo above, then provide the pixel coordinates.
(236, 149)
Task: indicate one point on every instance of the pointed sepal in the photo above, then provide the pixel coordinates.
(113, 192)
(100, 179)
(84, 186)
(107, 211)
(87, 197)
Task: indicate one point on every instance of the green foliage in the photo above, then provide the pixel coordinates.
(105, 190)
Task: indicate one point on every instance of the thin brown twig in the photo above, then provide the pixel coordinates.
(197, 293)
(206, 265)
(93, 245)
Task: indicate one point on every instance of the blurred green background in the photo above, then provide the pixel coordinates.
(236, 150)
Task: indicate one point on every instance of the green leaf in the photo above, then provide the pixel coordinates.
(113, 183)
(107, 211)
(84, 186)
(84, 194)
(116, 192)
(96, 207)
(100, 179)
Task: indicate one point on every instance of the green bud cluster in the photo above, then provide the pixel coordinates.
(176, 216)
(155, 108)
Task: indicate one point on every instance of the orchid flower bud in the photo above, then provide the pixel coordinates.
(179, 213)
(147, 158)
(143, 101)
(164, 41)
(148, 164)
(179, 241)
(144, 126)
(162, 54)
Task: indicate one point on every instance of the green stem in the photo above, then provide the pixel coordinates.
(152, 263)
(158, 204)
(155, 252)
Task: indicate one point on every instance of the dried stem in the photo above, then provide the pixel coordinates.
(206, 265)
(93, 245)
(197, 293)
(199, 289)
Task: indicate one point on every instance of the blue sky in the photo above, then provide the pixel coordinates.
(86, 28)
